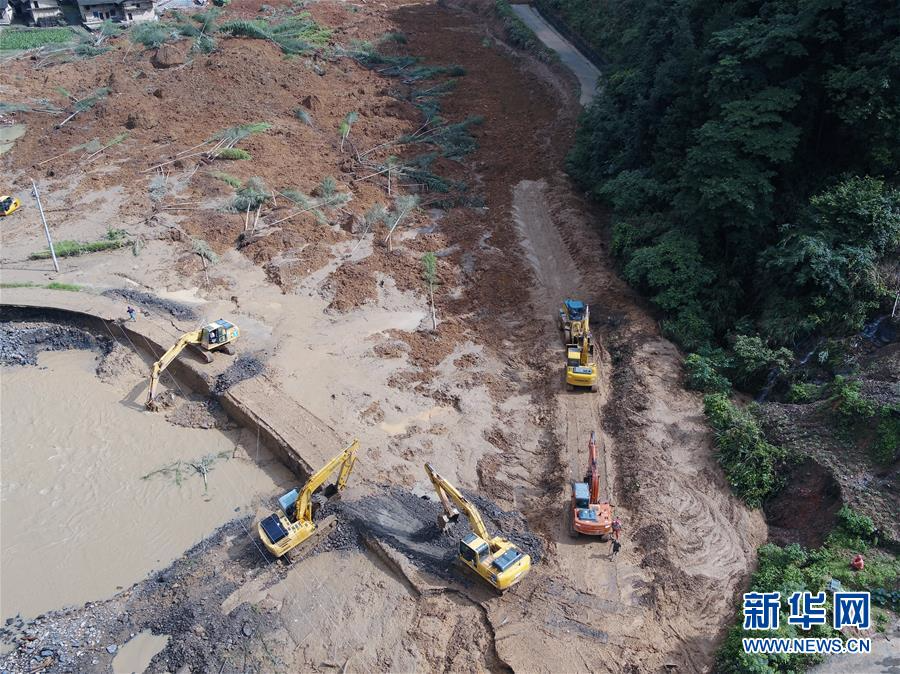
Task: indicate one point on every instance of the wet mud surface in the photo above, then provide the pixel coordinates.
(20, 343)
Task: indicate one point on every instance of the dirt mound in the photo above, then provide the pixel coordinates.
(120, 361)
(409, 524)
(177, 309)
(20, 343)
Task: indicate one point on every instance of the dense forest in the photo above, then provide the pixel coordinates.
(750, 153)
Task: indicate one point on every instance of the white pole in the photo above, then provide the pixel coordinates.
(46, 229)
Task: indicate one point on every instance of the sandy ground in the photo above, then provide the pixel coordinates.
(343, 332)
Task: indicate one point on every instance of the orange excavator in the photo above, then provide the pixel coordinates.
(590, 516)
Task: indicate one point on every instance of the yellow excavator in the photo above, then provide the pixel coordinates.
(9, 205)
(497, 560)
(281, 533)
(581, 367)
(212, 337)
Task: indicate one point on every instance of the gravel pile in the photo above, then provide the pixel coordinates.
(20, 343)
(245, 367)
(177, 309)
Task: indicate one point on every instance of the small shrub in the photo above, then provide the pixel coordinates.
(855, 524)
(753, 360)
(303, 116)
(250, 196)
(886, 447)
(848, 401)
(702, 374)
(152, 34)
(804, 392)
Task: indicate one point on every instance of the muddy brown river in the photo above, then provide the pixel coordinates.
(77, 520)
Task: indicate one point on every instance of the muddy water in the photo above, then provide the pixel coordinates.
(76, 518)
(135, 656)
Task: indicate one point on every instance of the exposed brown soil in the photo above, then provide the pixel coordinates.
(805, 511)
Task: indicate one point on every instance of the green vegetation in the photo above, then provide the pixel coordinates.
(303, 116)
(250, 196)
(227, 178)
(70, 287)
(234, 153)
(751, 464)
(794, 569)
(15, 39)
(297, 34)
(722, 142)
(53, 285)
(115, 238)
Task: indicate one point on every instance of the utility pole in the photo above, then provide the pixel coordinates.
(46, 228)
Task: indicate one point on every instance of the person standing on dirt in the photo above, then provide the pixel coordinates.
(616, 528)
(616, 546)
(131, 313)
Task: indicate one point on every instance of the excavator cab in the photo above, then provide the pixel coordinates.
(218, 334)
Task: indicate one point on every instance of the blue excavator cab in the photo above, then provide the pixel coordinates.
(575, 309)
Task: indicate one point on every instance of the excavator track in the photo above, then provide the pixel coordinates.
(323, 528)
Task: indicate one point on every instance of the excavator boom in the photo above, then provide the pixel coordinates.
(345, 460)
(159, 366)
(446, 491)
(593, 476)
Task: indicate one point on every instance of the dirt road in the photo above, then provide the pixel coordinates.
(586, 72)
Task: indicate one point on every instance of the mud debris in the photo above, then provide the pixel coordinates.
(178, 310)
(200, 414)
(408, 523)
(245, 367)
(20, 343)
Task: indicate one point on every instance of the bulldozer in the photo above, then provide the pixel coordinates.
(581, 366)
(574, 320)
(496, 560)
(590, 515)
(215, 336)
(280, 532)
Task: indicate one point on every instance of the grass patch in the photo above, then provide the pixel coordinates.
(115, 238)
(234, 153)
(15, 39)
(70, 287)
(54, 285)
(227, 178)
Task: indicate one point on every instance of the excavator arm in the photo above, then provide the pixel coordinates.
(345, 461)
(593, 476)
(159, 366)
(447, 492)
(585, 350)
